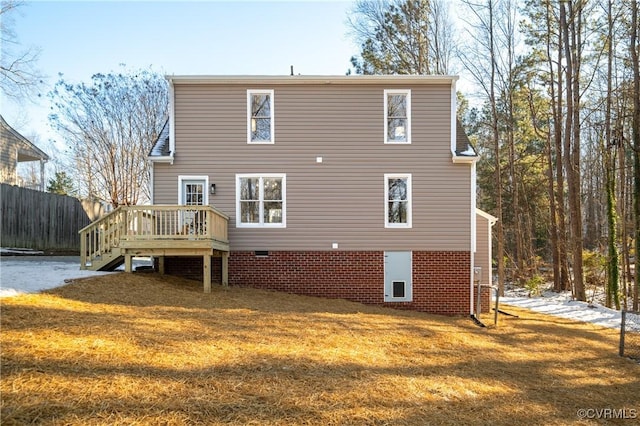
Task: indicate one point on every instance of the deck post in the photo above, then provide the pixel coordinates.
(83, 250)
(206, 271)
(161, 265)
(225, 268)
(127, 262)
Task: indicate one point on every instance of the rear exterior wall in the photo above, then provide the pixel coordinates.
(340, 200)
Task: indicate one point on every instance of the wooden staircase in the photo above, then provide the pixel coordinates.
(157, 230)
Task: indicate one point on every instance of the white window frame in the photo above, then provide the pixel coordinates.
(250, 93)
(261, 224)
(407, 93)
(406, 176)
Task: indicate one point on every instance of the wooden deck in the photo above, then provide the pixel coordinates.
(158, 231)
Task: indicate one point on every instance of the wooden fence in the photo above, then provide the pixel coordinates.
(40, 220)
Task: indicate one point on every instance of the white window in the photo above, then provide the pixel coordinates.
(397, 116)
(261, 200)
(260, 116)
(397, 206)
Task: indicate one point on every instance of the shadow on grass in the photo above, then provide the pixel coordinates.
(148, 350)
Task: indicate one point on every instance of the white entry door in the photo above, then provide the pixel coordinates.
(192, 193)
(397, 276)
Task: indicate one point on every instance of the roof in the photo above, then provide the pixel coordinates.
(311, 79)
(161, 146)
(490, 218)
(28, 151)
(464, 148)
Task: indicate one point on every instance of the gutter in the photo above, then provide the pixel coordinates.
(161, 159)
(464, 159)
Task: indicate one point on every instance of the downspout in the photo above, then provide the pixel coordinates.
(473, 234)
(151, 180)
(172, 120)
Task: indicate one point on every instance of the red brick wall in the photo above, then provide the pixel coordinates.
(440, 279)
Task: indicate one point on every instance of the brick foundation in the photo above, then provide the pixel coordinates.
(440, 279)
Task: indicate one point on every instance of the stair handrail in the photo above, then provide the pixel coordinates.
(100, 237)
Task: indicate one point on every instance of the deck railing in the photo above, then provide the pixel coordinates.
(148, 223)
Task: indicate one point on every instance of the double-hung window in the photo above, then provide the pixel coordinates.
(260, 116)
(397, 116)
(261, 200)
(397, 206)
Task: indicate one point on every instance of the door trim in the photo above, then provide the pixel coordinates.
(205, 190)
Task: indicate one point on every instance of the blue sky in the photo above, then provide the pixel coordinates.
(79, 39)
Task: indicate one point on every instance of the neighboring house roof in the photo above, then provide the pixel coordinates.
(464, 148)
(161, 146)
(27, 151)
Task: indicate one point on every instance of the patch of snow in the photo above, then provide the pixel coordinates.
(562, 305)
(19, 251)
(32, 274)
(468, 151)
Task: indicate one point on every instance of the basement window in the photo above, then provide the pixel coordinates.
(261, 253)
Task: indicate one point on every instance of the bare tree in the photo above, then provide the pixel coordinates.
(110, 126)
(19, 76)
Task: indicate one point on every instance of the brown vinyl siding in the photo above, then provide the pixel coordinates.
(341, 199)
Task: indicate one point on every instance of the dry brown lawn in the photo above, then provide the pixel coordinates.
(140, 349)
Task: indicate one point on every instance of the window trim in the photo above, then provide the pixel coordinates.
(409, 223)
(261, 224)
(407, 93)
(250, 93)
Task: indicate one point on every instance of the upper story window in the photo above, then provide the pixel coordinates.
(260, 116)
(397, 116)
(261, 200)
(397, 208)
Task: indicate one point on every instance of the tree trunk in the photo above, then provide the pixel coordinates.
(609, 164)
(572, 145)
(636, 145)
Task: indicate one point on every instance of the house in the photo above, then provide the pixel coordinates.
(354, 187)
(15, 148)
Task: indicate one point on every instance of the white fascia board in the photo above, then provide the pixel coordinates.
(311, 79)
